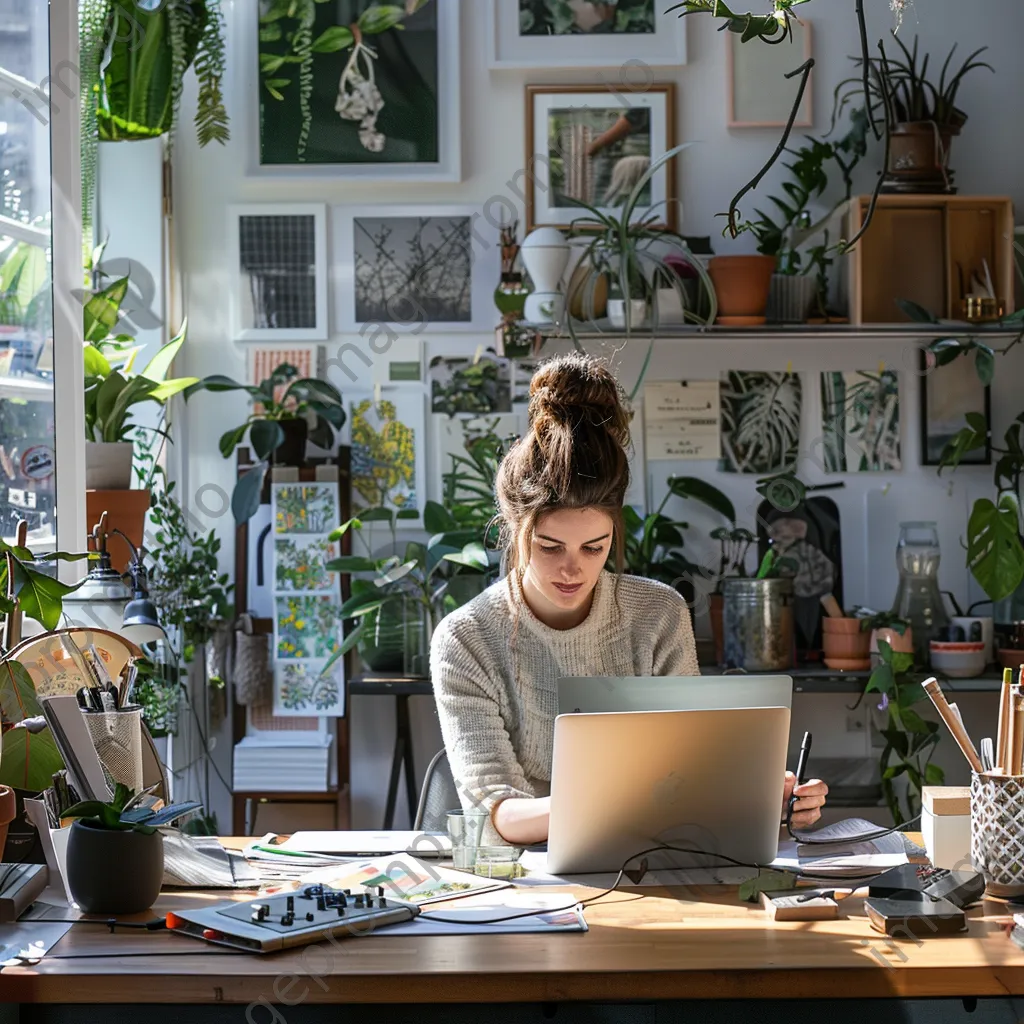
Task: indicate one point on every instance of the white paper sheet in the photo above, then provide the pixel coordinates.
(535, 863)
(29, 940)
(838, 862)
(555, 913)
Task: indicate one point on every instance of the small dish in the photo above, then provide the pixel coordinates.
(848, 664)
(741, 321)
(958, 660)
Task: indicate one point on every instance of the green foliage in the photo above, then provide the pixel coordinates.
(626, 250)
(909, 739)
(885, 620)
(29, 758)
(557, 17)
(770, 28)
(316, 401)
(137, 56)
(109, 816)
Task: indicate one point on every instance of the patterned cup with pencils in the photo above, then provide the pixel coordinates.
(997, 832)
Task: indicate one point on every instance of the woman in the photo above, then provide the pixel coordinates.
(496, 660)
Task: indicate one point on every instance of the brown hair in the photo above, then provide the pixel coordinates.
(573, 456)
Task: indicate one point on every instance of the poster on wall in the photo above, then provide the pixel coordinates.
(861, 420)
(359, 88)
(307, 601)
(682, 419)
(760, 421)
(388, 438)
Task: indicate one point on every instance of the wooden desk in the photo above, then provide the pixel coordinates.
(669, 945)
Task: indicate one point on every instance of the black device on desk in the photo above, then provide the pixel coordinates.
(922, 900)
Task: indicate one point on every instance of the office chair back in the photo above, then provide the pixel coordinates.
(437, 797)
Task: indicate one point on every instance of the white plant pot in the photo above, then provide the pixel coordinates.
(108, 465)
(545, 255)
(637, 312)
(670, 306)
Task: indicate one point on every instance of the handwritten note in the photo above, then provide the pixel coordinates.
(682, 419)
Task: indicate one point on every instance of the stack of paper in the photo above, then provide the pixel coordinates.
(292, 763)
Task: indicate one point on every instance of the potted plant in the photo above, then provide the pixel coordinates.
(888, 628)
(923, 115)
(909, 739)
(115, 862)
(113, 393)
(624, 254)
(395, 606)
(287, 411)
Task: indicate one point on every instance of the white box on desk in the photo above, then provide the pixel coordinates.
(946, 826)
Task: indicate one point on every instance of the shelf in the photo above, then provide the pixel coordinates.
(781, 332)
(823, 680)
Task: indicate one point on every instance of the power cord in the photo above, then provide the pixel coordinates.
(156, 925)
(808, 838)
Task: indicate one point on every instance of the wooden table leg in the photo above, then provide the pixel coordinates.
(403, 723)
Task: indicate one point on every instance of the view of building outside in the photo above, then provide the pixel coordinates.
(27, 458)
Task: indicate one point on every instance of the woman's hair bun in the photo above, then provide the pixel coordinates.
(576, 390)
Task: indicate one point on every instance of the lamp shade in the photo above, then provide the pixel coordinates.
(98, 603)
(141, 622)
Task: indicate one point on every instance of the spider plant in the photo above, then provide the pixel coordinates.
(627, 251)
(904, 84)
(765, 27)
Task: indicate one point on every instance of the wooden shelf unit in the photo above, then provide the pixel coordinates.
(920, 247)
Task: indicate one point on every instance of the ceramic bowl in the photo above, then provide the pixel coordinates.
(957, 660)
(1011, 657)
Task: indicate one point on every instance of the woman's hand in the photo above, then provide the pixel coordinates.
(810, 798)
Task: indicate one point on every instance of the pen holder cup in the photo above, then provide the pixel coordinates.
(117, 737)
(997, 832)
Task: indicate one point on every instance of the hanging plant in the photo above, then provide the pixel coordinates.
(286, 26)
(135, 57)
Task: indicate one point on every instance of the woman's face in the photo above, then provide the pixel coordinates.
(568, 550)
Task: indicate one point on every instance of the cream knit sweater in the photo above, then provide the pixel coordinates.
(494, 666)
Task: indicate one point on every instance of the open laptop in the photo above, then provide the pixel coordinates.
(672, 693)
(624, 782)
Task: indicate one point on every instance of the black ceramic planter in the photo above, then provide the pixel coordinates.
(292, 450)
(114, 872)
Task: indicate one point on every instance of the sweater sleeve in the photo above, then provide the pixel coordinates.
(469, 707)
(675, 650)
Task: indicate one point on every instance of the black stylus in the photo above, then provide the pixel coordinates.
(801, 764)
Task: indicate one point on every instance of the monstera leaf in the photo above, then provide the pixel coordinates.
(761, 421)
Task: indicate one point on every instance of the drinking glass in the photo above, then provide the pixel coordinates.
(465, 829)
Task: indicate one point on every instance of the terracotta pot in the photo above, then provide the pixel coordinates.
(844, 644)
(126, 511)
(8, 810)
(903, 644)
(845, 625)
(742, 284)
(919, 154)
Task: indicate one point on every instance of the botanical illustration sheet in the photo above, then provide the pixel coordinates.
(307, 601)
(760, 421)
(861, 420)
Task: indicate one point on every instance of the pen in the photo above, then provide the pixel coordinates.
(801, 764)
(931, 687)
(1003, 728)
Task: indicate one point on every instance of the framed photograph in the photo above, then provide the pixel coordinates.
(374, 95)
(278, 254)
(582, 34)
(593, 143)
(948, 394)
(760, 95)
(415, 268)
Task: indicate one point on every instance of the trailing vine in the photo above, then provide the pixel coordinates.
(303, 44)
(92, 20)
(179, 61)
(210, 67)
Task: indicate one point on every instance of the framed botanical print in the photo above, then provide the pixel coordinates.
(582, 34)
(593, 144)
(948, 394)
(353, 89)
(405, 269)
(278, 254)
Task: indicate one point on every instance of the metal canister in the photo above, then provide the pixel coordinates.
(757, 620)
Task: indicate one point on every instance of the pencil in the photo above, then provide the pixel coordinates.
(1017, 741)
(931, 687)
(1003, 734)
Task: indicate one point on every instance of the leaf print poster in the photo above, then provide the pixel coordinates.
(307, 601)
(861, 421)
(760, 421)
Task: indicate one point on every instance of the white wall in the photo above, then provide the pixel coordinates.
(986, 158)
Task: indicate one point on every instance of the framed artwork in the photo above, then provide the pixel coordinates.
(861, 420)
(760, 421)
(593, 143)
(415, 268)
(388, 437)
(760, 95)
(306, 602)
(477, 385)
(581, 34)
(278, 254)
(948, 394)
(366, 90)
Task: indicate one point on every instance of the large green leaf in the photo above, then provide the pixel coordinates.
(41, 597)
(96, 363)
(266, 436)
(18, 699)
(246, 498)
(102, 310)
(702, 491)
(352, 563)
(473, 555)
(158, 367)
(137, 389)
(994, 553)
(437, 519)
(29, 760)
(218, 382)
(169, 388)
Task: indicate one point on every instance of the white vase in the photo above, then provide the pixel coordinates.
(545, 255)
(108, 465)
(637, 313)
